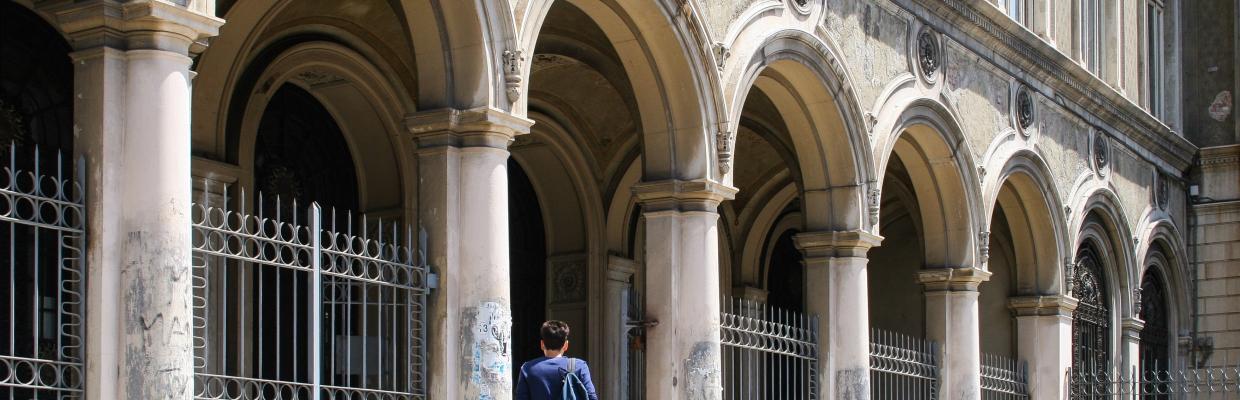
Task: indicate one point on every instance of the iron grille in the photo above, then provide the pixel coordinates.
(902, 366)
(1004, 378)
(43, 223)
(1154, 346)
(1221, 383)
(286, 307)
(1091, 321)
(768, 352)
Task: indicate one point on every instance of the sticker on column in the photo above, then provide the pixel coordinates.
(702, 380)
(486, 333)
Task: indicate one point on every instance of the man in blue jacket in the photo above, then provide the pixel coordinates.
(543, 377)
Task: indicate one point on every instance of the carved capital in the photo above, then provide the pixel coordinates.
(829, 244)
(1043, 305)
(513, 61)
(477, 127)
(679, 195)
(962, 279)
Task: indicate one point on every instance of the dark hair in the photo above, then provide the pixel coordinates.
(554, 334)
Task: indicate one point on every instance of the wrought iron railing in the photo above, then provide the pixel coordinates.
(768, 353)
(903, 366)
(1217, 383)
(42, 233)
(290, 303)
(1004, 378)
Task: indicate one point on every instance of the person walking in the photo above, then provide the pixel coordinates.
(548, 377)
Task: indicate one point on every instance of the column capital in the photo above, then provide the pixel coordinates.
(1132, 327)
(136, 25)
(1057, 305)
(682, 195)
(620, 269)
(836, 243)
(963, 279)
(475, 127)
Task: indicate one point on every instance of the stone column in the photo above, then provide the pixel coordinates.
(1130, 347)
(616, 291)
(682, 288)
(132, 84)
(1044, 340)
(837, 261)
(463, 217)
(951, 319)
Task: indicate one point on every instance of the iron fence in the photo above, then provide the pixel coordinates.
(768, 353)
(290, 303)
(1004, 378)
(1217, 383)
(902, 366)
(43, 224)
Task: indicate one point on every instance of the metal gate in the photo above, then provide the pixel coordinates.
(290, 303)
(903, 367)
(768, 353)
(42, 228)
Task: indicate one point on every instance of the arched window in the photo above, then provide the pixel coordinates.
(1091, 322)
(1154, 342)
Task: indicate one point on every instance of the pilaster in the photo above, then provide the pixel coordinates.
(836, 260)
(1044, 340)
(132, 82)
(682, 287)
(462, 208)
(952, 319)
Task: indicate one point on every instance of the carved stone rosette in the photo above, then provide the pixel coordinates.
(1023, 111)
(1100, 152)
(929, 54)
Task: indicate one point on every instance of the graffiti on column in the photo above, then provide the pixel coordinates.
(486, 332)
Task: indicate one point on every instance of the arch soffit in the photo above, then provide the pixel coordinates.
(801, 73)
(1163, 249)
(755, 244)
(344, 83)
(930, 139)
(578, 171)
(1109, 233)
(678, 126)
(1021, 184)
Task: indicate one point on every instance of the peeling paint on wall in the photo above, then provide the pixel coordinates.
(486, 332)
(702, 380)
(853, 384)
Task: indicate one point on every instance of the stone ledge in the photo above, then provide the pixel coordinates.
(1055, 305)
(475, 127)
(962, 279)
(836, 243)
(682, 195)
(135, 25)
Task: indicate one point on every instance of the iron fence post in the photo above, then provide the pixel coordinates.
(316, 301)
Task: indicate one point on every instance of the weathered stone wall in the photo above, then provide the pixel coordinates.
(1216, 252)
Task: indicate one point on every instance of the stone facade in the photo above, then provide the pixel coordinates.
(934, 168)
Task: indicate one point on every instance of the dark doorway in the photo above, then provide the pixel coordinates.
(786, 274)
(528, 262)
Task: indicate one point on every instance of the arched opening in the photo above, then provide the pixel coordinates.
(38, 248)
(301, 154)
(527, 251)
(1155, 344)
(785, 273)
(896, 300)
(1091, 322)
(997, 325)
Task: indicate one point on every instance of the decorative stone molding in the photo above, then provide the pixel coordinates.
(136, 25)
(316, 78)
(476, 127)
(829, 244)
(875, 199)
(1137, 307)
(929, 54)
(1161, 192)
(721, 54)
(513, 60)
(983, 245)
(682, 195)
(962, 279)
(1069, 276)
(802, 6)
(1042, 305)
(1132, 328)
(568, 278)
(723, 149)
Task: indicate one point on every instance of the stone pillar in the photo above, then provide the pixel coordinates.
(463, 218)
(132, 84)
(616, 291)
(1130, 347)
(951, 319)
(837, 261)
(682, 288)
(1044, 341)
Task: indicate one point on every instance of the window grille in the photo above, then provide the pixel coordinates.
(1091, 322)
(42, 231)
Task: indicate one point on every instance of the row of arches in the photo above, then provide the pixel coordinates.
(310, 99)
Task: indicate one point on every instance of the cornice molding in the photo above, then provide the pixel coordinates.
(1066, 81)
